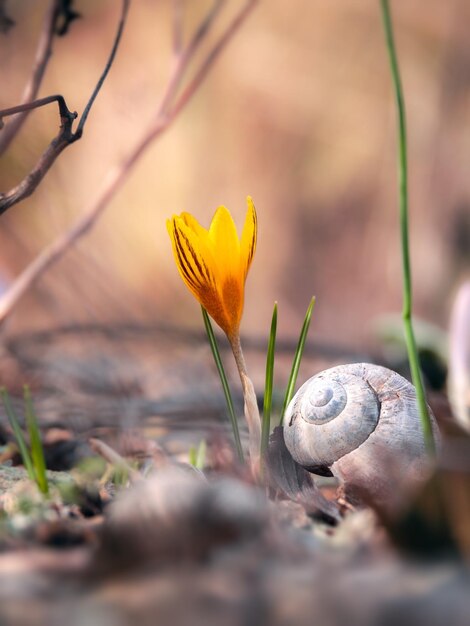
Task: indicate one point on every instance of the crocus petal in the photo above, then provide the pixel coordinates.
(226, 313)
(194, 225)
(193, 258)
(249, 236)
(197, 268)
(232, 298)
(225, 243)
(214, 263)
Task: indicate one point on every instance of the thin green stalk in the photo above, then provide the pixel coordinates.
(413, 356)
(224, 381)
(268, 386)
(297, 358)
(37, 451)
(15, 425)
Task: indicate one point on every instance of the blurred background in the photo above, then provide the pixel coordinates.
(298, 113)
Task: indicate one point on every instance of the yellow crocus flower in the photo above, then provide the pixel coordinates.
(214, 263)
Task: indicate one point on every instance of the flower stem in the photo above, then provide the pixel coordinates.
(223, 379)
(251, 405)
(413, 356)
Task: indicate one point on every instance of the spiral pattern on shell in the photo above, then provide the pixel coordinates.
(349, 417)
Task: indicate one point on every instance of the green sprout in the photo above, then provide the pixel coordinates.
(197, 456)
(33, 457)
(268, 386)
(297, 359)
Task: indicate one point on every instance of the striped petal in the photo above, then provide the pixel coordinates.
(193, 258)
(214, 263)
(249, 237)
(196, 266)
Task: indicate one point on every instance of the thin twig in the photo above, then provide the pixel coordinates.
(119, 174)
(64, 138)
(5, 20)
(204, 27)
(114, 458)
(178, 26)
(36, 104)
(210, 59)
(99, 84)
(43, 54)
(183, 59)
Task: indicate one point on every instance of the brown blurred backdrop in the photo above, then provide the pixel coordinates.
(299, 114)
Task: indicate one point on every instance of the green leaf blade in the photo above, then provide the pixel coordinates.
(201, 455)
(268, 386)
(223, 379)
(20, 440)
(37, 450)
(297, 359)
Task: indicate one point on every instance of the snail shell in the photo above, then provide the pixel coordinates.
(359, 422)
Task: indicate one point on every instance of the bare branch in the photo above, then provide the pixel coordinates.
(205, 26)
(67, 15)
(213, 55)
(5, 20)
(43, 54)
(116, 178)
(35, 104)
(178, 14)
(183, 60)
(65, 137)
(117, 39)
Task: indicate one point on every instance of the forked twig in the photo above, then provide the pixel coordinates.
(169, 109)
(66, 136)
(43, 54)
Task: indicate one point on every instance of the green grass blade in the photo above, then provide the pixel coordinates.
(224, 381)
(15, 425)
(268, 385)
(412, 349)
(37, 451)
(297, 358)
(201, 456)
(197, 456)
(192, 456)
